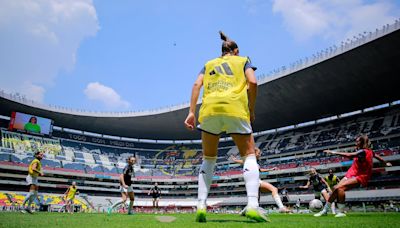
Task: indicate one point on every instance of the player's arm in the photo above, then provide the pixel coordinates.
(34, 169)
(305, 186)
(345, 154)
(239, 161)
(379, 158)
(66, 194)
(190, 121)
(252, 91)
(149, 191)
(121, 179)
(267, 170)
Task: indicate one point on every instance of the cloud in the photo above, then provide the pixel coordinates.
(106, 95)
(333, 19)
(40, 38)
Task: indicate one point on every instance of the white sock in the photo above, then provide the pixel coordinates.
(278, 201)
(119, 202)
(27, 197)
(333, 208)
(205, 178)
(341, 207)
(251, 176)
(35, 193)
(130, 206)
(32, 198)
(327, 206)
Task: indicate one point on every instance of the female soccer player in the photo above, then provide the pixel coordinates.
(230, 89)
(70, 196)
(320, 185)
(156, 194)
(34, 170)
(359, 173)
(332, 180)
(265, 186)
(125, 181)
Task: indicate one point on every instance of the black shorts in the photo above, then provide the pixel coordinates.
(285, 199)
(156, 196)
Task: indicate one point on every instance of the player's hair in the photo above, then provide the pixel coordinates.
(364, 142)
(228, 45)
(32, 117)
(37, 153)
(129, 158)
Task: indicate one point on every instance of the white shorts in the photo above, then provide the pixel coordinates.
(32, 180)
(126, 190)
(231, 125)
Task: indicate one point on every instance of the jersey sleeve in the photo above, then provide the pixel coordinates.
(249, 65)
(203, 70)
(361, 153)
(125, 170)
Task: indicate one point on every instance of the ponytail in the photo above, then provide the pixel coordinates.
(228, 45)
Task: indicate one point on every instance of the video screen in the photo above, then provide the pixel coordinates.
(30, 124)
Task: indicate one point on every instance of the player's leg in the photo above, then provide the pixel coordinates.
(210, 149)
(251, 174)
(119, 202)
(341, 192)
(131, 200)
(34, 195)
(28, 196)
(267, 187)
(71, 206)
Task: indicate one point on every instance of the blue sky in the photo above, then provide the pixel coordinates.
(127, 55)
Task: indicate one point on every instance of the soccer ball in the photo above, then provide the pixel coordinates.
(315, 205)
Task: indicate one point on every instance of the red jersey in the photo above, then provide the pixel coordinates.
(362, 167)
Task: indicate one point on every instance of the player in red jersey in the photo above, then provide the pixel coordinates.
(359, 173)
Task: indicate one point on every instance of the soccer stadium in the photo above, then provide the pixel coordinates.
(340, 93)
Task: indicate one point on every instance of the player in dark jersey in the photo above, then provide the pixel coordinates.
(264, 185)
(155, 192)
(285, 196)
(359, 173)
(320, 186)
(125, 181)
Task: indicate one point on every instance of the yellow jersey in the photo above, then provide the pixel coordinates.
(225, 88)
(71, 192)
(332, 182)
(38, 167)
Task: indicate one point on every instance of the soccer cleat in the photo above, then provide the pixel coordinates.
(256, 215)
(26, 210)
(130, 213)
(321, 213)
(201, 215)
(340, 214)
(285, 210)
(109, 210)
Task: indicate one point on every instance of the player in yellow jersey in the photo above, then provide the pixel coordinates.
(229, 95)
(34, 170)
(332, 180)
(69, 196)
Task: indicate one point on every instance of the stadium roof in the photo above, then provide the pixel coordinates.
(335, 81)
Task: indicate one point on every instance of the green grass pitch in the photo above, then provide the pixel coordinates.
(44, 220)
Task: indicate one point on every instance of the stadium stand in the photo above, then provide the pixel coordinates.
(94, 161)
